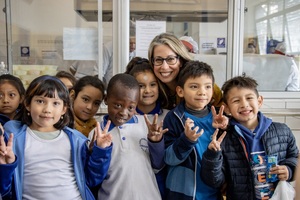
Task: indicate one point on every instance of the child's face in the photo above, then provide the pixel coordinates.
(9, 99)
(121, 104)
(244, 104)
(45, 112)
(197, 92)
(148, 88)
(87, 102)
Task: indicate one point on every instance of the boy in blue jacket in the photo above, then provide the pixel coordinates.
(191, 125)
(255, 153)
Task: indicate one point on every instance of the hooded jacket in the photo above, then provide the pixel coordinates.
(181, 156)
(231, 165)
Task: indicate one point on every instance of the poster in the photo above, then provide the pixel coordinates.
(80, 44)
(212, 45)
(145, 32)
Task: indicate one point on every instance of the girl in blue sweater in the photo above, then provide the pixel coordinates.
(42, 156)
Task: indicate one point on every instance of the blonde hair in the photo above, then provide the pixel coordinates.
(171, 41)
(177, 46)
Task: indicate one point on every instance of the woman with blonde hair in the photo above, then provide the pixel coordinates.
(168, 55)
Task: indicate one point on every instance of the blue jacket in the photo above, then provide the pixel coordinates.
(181, 157)
(231, 165)
(90, 168)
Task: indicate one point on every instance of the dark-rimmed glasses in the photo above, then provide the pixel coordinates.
(171, 60)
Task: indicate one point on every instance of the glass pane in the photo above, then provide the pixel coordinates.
(291, 3)
(262, 33)
(271, 45)
(260, 10)
(50, 35)
(276, 25)
(275, 6)
(3, 51)
(293, 27)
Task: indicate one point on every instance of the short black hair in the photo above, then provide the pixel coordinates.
(125, 80)
(137, 65)
(246, 82)
(88, 80)
(193, 69)
(14, 81)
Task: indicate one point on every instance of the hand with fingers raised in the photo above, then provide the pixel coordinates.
(219, 120)
(215, 144)
(155, 131)
(7, 155)
(190, 132)
(103, 138)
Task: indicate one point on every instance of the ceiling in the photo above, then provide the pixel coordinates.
(166, 10)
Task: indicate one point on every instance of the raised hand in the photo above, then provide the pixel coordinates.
(190, 133)
(7, 155)
(103, 138)
(155, 131)
(219, 120)
(215, 144)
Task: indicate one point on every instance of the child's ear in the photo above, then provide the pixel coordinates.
(260, 101)
(72, 94)
(226, 109)
(22, 99)
(27, 108)
(179, 91)
(105, 99)
(64, 110)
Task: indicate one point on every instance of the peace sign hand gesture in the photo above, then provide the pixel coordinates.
(190, 133)
(7, 155)
(155, 131)
(215, 144)
(219, 120)
(103, 138)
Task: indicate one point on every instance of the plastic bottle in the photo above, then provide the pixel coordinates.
(3, 69)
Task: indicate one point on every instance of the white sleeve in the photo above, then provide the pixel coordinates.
(293, 80)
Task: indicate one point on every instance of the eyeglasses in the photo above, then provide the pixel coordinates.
(171, 60)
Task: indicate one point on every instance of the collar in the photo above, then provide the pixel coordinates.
(156, 110)
(132, 120)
